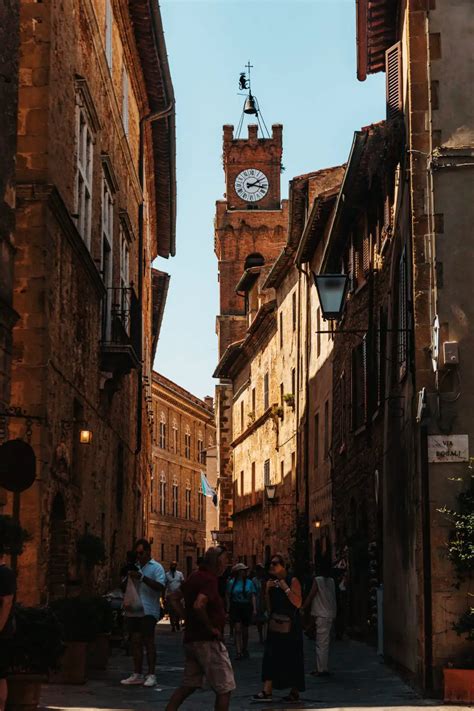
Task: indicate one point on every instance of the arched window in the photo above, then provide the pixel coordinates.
(200, 504)
(254, 260)
(188, 500)
(201, 454)
(187, 442)
(175, 436)
(162, 437)
(162, 493)
(175, 497)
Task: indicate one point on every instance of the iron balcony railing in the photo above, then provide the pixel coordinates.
(121, 318)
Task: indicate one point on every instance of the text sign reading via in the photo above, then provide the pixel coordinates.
(448, 448)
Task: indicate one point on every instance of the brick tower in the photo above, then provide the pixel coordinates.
(251, 220)
(250, 228)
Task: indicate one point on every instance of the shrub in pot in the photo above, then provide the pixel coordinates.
(36, 649)
(459, 675)
(80, 621)
(98, 650)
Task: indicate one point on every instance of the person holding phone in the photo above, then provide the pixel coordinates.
(283, 659)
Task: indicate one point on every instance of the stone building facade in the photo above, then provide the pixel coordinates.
(95, 186)
(9, 56)
(183, 435)
(425, 47)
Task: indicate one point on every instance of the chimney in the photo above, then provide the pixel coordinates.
(209, 402)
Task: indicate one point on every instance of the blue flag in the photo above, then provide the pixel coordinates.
(208, 490)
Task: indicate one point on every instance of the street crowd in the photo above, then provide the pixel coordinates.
(215, 594)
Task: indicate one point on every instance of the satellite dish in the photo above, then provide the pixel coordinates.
(17, 465)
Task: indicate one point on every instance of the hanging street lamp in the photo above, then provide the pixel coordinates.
(332, 290)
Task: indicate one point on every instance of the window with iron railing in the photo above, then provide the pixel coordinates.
(84, 166)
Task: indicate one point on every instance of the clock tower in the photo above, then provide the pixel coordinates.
(251, 222)
(251, 226)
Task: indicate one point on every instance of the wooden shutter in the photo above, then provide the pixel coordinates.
(393, 73)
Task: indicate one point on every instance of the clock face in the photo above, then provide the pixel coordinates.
(251, 185)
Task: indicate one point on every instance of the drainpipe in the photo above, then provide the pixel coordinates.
(150, 118)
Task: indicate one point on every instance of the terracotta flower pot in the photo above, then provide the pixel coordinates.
(459, 686)
(24, 691)
(72, 665)
(98, 652)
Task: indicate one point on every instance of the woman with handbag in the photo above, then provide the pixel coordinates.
(283, 660)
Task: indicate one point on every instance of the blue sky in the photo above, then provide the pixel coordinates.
(304, 77)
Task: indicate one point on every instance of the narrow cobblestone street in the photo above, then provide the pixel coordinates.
(360, 681)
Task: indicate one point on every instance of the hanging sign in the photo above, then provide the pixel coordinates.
(448, 448)
(17, 465)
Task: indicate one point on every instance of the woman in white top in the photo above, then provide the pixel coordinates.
(322, 603)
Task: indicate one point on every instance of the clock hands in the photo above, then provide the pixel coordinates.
(252, 185)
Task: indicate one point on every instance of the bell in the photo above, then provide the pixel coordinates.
(249, 106)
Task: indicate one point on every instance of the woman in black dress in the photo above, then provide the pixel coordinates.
(283, 660)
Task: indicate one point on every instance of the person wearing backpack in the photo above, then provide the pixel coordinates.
(242, 606)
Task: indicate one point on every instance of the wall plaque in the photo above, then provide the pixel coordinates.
(448, 448)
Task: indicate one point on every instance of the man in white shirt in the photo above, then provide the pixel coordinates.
(174, 580)
(150, 580)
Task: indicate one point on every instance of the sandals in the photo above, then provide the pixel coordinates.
(262, 698)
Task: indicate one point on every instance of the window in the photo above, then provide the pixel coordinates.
(152, 493)
(403, 316)
(241, 483)
(108, 32)
(175, 498)
(177, 554)
(107, 222)
(175, 437)
(188, 500)
(393, 73)
(187, 442)
(293, 466)
(326, 430)
(318, 332)
(253, 401)
(282, 470)
(85, 148)
(200, 504)
(343, 414)
(254, 482)
(282, 401)
(124, 259)
(293, 381)
(266, 395)
(162, 437)
(201, 454)
(293, 310)
(162, 493)
(359, 385)
(266, 472)
(120, 479)
(242, 415)
(281, 329)
(316, 441)
(125, 83)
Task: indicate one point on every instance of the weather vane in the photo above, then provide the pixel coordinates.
(251, 106)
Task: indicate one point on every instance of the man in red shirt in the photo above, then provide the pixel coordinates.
(206, 656)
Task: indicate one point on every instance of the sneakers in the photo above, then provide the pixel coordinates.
(150, 680)
(133, 680)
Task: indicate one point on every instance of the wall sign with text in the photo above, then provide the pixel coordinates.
(448, 448)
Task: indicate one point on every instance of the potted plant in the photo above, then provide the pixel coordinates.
(12, 536)
(98, 650)
(80, 621)
(289, 398)
(36, 649)
(277, 412)
(459, 675)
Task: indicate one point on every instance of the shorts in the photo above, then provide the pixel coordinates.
(208, 660)
(6, 649)
(144, 626)
(241, 613)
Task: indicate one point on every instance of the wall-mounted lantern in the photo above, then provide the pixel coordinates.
(332, 290)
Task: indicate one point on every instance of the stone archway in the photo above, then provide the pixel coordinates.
(58, 549)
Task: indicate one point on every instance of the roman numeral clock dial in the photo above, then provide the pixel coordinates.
(251, 185)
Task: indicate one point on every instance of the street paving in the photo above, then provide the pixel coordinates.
(360, 681)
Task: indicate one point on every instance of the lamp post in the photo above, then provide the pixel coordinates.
(332, 290)
(214, 536)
